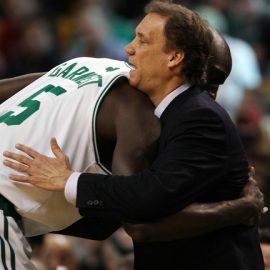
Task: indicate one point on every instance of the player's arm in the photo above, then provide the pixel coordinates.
(11, 86)
(201, 218)
(92, 228)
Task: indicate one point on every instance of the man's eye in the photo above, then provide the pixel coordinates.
(142, 40)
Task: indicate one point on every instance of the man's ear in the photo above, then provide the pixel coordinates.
(175, 58)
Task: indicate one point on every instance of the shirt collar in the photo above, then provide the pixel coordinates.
(169, 98)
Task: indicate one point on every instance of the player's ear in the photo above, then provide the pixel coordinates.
(175, 58)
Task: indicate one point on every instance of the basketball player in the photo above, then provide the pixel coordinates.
(65, 103)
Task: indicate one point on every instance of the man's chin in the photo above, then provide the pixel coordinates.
(132, 81)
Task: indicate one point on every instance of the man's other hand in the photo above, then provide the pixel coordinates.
(39, 170)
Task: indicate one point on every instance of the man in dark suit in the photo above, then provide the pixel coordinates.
(200, 158)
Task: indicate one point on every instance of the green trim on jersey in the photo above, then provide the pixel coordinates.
(8, 210)
(94, 118)
(128, 65)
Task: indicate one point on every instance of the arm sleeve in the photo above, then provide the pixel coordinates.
(91, 228)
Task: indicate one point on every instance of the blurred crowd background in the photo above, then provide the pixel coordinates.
(36, 35)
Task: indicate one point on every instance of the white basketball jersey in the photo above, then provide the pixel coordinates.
(63, 104)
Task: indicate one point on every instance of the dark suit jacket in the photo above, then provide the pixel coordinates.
(201, 158)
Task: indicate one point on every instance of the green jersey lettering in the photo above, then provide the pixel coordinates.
(65, 72)
(82, 76)
(79, 71)
(89, 78)
(109, 69)
(57, 70)
(31, 106)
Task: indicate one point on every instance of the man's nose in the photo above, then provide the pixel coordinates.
(129, 49)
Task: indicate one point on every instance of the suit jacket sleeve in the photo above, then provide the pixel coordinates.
(193, 165)
(91, 228)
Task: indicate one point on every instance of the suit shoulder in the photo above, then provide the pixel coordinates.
(204, 104)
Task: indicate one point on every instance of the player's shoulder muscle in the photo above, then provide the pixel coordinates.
(137, 129)
(125, 107)
(135, 111)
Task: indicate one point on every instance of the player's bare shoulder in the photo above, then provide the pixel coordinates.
(127, 117)
(128, 108)
(135, 111)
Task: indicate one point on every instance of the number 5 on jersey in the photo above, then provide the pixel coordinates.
(31, 106)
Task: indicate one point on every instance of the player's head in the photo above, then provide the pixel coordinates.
(219, 63)
(171, 44)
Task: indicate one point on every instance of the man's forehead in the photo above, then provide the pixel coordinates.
(152, 22)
